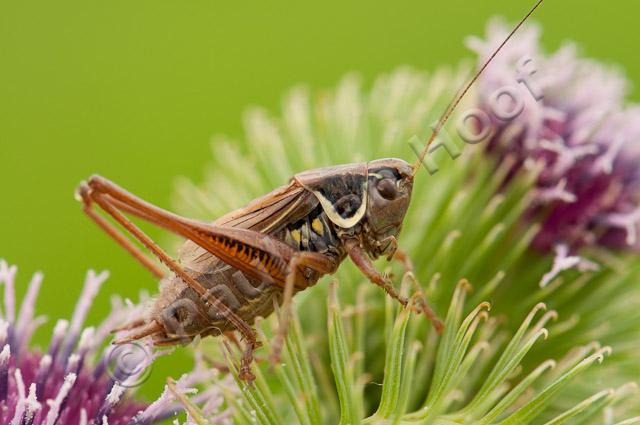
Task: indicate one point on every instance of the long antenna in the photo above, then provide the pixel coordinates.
(456, 100)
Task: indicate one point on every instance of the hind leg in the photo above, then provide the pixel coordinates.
(114, 200)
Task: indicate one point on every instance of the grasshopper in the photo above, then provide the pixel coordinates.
(243, 264)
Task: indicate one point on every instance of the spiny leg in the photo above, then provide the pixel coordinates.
(247, 360)
(318, 262)
(361, 259)
(248, 356)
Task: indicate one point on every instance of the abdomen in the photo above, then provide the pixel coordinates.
(181, 312)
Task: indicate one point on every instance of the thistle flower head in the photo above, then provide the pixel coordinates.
(573, 119)
(459, 377)
(64, 385)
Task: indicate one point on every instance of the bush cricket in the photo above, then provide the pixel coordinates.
(237, 268)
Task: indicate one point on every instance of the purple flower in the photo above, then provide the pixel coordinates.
(63, 385)
(575, 122)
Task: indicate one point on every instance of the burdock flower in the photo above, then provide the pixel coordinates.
(63, 385)
(572, 118)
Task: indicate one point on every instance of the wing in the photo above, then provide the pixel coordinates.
(267, 214)
(271, 212)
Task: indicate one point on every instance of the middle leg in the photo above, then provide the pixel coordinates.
(296, 278)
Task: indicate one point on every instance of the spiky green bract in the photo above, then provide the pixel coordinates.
(463, 223)
(455, 395)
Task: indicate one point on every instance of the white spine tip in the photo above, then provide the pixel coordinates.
(60, 328)
(45, 363)
(544, 333)
(539, 306)
(32, 404)
(86, 339)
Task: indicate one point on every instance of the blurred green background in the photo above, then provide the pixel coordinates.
(134, 90)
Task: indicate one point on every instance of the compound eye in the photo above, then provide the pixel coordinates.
(387, 189)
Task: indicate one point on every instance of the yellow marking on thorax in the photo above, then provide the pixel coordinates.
(317, 226)
(295, 234)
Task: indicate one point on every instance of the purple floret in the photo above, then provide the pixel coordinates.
(581, 130)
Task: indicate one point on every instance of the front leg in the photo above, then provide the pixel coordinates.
(361, 259)
(364, 263)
